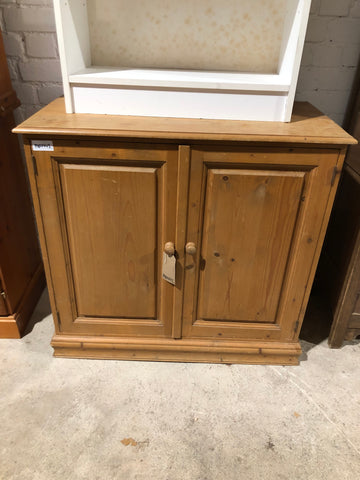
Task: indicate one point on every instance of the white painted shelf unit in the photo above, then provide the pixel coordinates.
(234, 59)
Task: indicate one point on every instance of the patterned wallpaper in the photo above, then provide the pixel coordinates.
(237, 35)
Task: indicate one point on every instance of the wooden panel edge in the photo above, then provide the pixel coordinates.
(40, 226)
(195, 357)
(14, 325)
(49, 121)
(347, 299)
(187, 136)
(181, 224)
(177, 350)
(321, 237)
(9, 328)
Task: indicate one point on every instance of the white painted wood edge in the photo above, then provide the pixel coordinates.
(180, 103)
(180, 79)
(304, 6)
(69, 107)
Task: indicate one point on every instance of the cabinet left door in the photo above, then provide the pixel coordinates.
(104, 212)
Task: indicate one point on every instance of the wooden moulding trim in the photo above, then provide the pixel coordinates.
(194, 357)
(8, 327)
(13, 326)
(354, 321)
(185, 137)
(308, 126)
(263, 358)
(167, 349)
(351, 334)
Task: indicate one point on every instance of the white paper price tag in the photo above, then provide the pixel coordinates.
(168, 268)
(42, 145)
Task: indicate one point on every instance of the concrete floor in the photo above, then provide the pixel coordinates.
(92, 419)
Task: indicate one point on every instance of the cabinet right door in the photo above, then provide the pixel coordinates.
(255, 217)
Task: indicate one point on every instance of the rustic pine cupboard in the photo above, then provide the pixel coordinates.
(244, 206)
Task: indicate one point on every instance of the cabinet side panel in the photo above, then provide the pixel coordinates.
(19, 248)
(111, 221)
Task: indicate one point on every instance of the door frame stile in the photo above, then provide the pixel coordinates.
(180, 236)
(32, 175)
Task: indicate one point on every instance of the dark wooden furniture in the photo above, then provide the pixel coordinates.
(21, 271)
(245, 206)
(339, 269)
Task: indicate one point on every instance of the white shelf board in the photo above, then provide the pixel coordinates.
(179, 103)
(180, 79)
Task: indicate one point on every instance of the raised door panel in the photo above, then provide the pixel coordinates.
(247, 229)
(111, 222)
(107, 212)
(255, 216)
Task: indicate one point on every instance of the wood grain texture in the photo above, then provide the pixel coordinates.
(308, 125)
(20, 259)
(339, 271)
(284, 278)
(341, 237)
(254, 213)
(107, 217)
(14, 325)
(3, 307)
(247, 229)
(170, 350)
(346, 241)
(355, 318)
(111, 223)
(19, 249)
(180, 238)
(351, 334)
(342, 251)
(318, 203)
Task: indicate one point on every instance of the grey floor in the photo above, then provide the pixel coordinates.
(85, 419)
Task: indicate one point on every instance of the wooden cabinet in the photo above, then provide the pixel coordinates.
(344, 262)
(21, 271)
(339, 268)
(247, 216)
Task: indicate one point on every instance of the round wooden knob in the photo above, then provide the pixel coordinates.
(190, 248)
(169, 249)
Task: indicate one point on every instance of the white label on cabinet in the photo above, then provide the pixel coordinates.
(42, 145)
(168, 268)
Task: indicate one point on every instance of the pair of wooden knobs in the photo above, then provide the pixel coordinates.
(190, 248)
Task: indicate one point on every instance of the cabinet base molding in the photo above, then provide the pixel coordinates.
(13, 326)
(167, 350)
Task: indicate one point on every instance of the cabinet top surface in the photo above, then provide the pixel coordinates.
(308, 125)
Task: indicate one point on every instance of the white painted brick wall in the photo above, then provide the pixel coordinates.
(331, 54)
(329, 61)
(28, 28)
